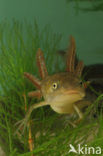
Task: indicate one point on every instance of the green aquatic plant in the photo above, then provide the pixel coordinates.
(88, 5)
(50, 134)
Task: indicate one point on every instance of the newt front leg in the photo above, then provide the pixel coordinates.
(23, 123)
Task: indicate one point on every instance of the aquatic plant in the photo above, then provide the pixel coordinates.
(50, 135)
(91, 6)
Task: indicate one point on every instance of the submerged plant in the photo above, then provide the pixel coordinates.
(18, 47)
(90, 6)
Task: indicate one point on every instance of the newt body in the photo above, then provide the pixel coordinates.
(64, 92)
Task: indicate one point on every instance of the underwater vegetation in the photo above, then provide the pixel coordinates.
(51, 133)
(93, 5)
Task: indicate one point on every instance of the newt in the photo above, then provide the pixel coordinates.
(64, 92)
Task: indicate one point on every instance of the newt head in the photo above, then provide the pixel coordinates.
(62, 89)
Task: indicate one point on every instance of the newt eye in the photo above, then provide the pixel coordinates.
(54, 86)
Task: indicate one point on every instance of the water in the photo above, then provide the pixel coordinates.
(86, 27)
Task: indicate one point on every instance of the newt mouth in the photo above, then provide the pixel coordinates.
(73, 92)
